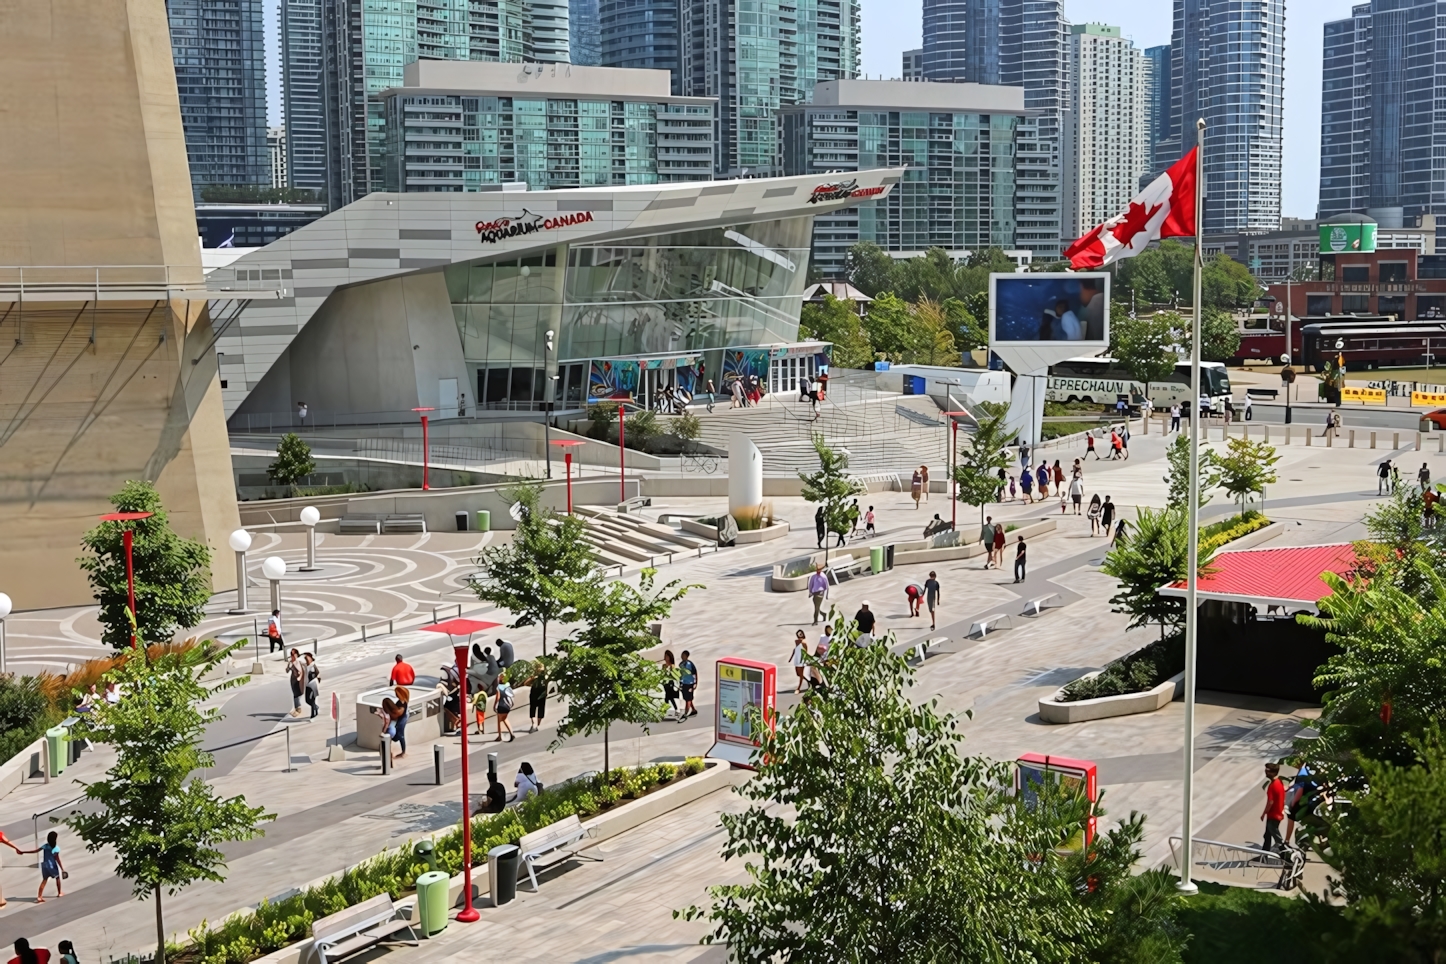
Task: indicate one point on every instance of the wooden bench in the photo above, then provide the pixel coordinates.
(358, 927)
(405, 522)
(552, 844)
(353, 524)
(996, 621)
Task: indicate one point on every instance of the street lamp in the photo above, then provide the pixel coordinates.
(622, 455)
(566, 445)
(310, 516)
(425, 482)
(127, 535)
(274, 568)
(954, 451)
(547, 347)
(240, 541)
(5, 607)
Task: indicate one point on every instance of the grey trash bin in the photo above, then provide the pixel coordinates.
(461, 521)
(502, 873)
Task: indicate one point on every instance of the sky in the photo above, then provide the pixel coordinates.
(893, 26)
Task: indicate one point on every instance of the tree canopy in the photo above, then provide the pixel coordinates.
(1165, 275)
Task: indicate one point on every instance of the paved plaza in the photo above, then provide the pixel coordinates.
(331, 815)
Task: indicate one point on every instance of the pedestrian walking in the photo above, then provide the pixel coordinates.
(1299, 798)
(526, 783)
(273, 632)
(400, 712)
(924, 478)
(1076, 493)
(296, 674)
(869, 530)
(1024, 455)
(1429, 499)
(1026, 485)
(1090, 445)
(916, 487)
(1175, 417)
(1057, 474)
(864, 620)
(797, 656)
(25, 954)
(537, 698)
(1383, 477)
(1013, 492)
(1095, 510)
(501, 706)
(820, 525)
(402, 673)
(687, 684)
(933, 595)
(1330, 420)
(51, 867)
(986, 537)
(854, 517)
(1248, 414)
(1125, 440)
(1423, 477)
(1019, 557)
(1107, 515)
(817, 591)
(1041, 476)
(1395, 478)
(450, 683)
(313, 684)
(820, 656)
(479, 711)
(913, 594)
(1077, 471)
(711, 391)
(1119, 533)
(999, 545)
(670, 683)
(1274, 810)
(1114, 445)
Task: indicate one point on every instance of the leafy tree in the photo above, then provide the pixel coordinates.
(1219, 334)
(293, 461)
(153, 809)
(1226, 283)
(965, 325)
(889, 324)
(869, 268)
(172, 574)
(837, 321)
(1154, 554)
(538, 576)
(933, 335)
(976, 472)
(600, 670)
(1177, 457)
(1245, 468)
(1145, 345)
(871, 837)
(832, 487)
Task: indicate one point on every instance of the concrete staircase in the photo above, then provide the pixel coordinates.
(632, 542)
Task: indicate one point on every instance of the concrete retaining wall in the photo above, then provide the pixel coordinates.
(1052, 710)
(14, 770)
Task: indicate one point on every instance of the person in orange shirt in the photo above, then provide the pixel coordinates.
(1274, 810)
(402, 673)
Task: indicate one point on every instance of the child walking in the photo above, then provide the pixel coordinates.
(50, 866)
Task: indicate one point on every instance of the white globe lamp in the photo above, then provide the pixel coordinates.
(310, 516)
(240, 541)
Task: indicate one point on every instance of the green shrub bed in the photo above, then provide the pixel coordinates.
(1139, 671)
(271, 926)
(1217, 534)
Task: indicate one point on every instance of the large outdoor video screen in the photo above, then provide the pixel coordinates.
(1049, 308)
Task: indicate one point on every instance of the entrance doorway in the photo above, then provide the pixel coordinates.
(785, 374)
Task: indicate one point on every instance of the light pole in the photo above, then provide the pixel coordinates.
(240, 541)
(547, 400)
(566, 445)
(127, 538)
(622, 456)
(273, 569)
(5, 607)
(954, 450)
(951, 439)
(426, 486)
(1290, 269)
(310, 516)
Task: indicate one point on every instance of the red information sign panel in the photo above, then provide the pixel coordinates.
(743, 685)
(1033, 769)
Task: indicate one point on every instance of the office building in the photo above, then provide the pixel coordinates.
(472, 126)
(1227, 66)
(1104, 132)
(235, 225)
(913, 64)
(1157, 101)
(1275, 255)
(641, 34)
(276, 155)
(583, 27)
(219, 51)
(961, 40)
(308, 102)
(1383, 134)
(958, 145)
(407, 300)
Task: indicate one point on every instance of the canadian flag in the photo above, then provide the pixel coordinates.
(1165, 209)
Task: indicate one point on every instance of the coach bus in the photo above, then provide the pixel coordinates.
(1103, 380)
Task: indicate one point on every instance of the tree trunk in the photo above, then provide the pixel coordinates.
(544, 637)
(606, 768)
(160, 930)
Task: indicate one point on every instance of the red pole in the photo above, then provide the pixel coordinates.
(567, 461)
(127, 536)
(622, 458)
(468, 914)
(954, 483)
(425, 459)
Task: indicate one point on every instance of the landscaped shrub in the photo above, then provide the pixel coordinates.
(1217, 534)
(1139, 671)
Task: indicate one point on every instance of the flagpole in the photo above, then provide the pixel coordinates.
(1192, 522)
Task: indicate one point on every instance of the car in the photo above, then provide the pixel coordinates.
(1436, 418)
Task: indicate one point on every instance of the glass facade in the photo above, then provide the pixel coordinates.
(641, 33)
(686, 296)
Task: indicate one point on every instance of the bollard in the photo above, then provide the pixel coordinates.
(1395, 441)
(438, 758)
(1308, 436)
(288, 751)
(386, 751)
(1418, 441)
(1353, 439)
(1440, 442)
(1373, 440)
(1267, 433)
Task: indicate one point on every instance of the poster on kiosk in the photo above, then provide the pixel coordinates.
(743, 685)
(1032, 769)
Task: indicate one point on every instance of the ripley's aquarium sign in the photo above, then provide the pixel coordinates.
(491, 232)
(842, 191)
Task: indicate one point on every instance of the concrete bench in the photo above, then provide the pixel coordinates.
(363, 524)
(551, 845)
(405, 522)
(916, 653)
(634, 504)
(1035, 606)
(990, 623)
(358, 927)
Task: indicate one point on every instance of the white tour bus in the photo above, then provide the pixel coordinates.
(1102, 380)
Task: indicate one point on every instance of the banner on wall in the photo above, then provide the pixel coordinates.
(610, 378)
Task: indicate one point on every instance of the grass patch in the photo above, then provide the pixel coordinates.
(1245, 926)
(1049, 430)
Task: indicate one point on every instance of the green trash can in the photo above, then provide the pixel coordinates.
(55, 740)
(876, 559)
(484, 520)
(432, 902)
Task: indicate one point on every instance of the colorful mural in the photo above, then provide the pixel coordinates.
(612, 378)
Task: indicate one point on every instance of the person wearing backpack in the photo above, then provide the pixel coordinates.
(502, 705)
(688, 683)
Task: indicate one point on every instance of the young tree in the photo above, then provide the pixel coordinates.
(832, 488)
(1154, 554)
(869, 268)
(890, 326)
(1145, 345)
(293, 461)
(600, 670)
(538, 576)
(1246, 468)
(977, 470)
(933, 335)
(871, 837)
(153, 808)
(172, 574)
(837, 321)
(1219, 335)
(1177, 478)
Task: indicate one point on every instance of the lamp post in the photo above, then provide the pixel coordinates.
(426, 486)
(953, 417)
(127, 537)
(240, 541)
(951, 439)
(5, 607)
(622, 455)
(274, 568)
(547, 400)
(566, 445)
(310, 516)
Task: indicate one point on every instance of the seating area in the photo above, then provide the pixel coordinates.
(629, 541)
(405, 522)
(351, 525)
(551, 845)
(357, 928)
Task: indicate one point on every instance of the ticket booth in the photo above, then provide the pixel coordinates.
(743, 686)
(1032, 770)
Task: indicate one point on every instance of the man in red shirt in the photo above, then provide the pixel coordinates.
(1274, 810)
(402, 673)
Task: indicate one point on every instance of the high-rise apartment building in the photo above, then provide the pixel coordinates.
(308, 102)
(1383, 134)
(220, 55)
(476, 126)
(1227, 66)
(551, 36)
(276, 156)
(643, 34)
(913, 64)
(1157, 99)
(957, 140)
(1104, 126)
(583, 25)
(961, 40)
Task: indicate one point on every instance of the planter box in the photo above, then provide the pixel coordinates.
(1252, 539)
(1051, 710)
(778, 530)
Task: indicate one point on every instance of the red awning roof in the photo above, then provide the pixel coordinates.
(1282, 577)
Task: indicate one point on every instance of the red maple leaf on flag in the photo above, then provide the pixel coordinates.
(1134, 221)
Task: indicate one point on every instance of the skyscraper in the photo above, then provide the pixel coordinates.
(1383, 141)
(641, 33)
(1103, 127)
(308, 113)
(584, 44)
(219, 50)
(961, 40)
(1157, 99)
(1227, 66)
